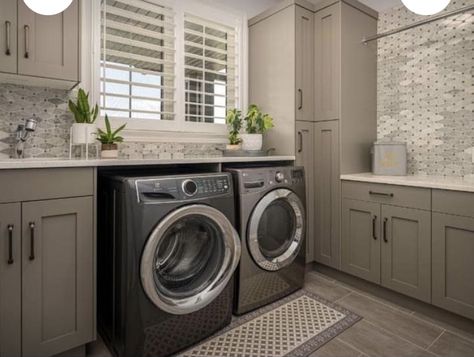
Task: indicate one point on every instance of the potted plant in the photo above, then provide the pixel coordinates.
(256, 124)
(84, 130)
(109, 140)
(234, 122)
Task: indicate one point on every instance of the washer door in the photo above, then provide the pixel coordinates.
(189, 258)
(276, 229)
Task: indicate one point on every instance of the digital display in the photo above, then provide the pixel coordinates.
(298, 174)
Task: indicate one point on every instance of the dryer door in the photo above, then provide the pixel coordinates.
(189, 258)
(276, 229)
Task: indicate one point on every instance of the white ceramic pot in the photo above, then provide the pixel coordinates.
(109, 151)
(84, 133)
(252, 142)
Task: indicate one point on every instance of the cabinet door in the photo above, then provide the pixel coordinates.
(453, 263)
(8, 39)
(304, 157)
(327, 62)
(304, 64)
(327, 185)
(361, 239)
(10, 280)
(58, 275)
(406, 251)
(49, 45)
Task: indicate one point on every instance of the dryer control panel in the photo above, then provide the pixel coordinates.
(182, 187)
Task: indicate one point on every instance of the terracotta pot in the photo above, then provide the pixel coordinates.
(109, 151)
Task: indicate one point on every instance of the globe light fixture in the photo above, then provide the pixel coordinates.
(48, 7)
(426, 7)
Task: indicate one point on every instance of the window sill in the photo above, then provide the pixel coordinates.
(161, 136)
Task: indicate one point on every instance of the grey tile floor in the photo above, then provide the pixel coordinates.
(387, 329)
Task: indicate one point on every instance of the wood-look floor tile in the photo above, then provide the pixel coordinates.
(324, 288)
(335, 348)
(450, 345)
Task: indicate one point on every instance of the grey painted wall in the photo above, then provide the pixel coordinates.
(426, 90)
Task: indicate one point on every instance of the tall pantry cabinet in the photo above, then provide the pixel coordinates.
(310, 70)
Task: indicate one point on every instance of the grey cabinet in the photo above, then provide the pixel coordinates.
(304, 64)
(10, 280)
(8, 38)
(304, 157)
(327, 188)
(406, 251)
(361, 239)
(49, 45)
(57, 280)
(327, 69)
(453, 263)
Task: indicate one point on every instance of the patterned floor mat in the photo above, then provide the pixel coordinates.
(294, 326)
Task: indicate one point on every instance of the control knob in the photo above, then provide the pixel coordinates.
(279, 177)
(190, 188)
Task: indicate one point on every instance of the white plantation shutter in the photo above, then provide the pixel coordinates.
(137, 60)
(210, 68)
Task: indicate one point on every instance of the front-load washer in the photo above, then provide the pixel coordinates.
(271, 224)
(167, 251)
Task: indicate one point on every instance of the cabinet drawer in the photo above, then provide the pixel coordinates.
(454, 202)
(43, 184)
(388, 194)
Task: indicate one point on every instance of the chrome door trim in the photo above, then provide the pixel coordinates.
(252, 238)
(194, 303)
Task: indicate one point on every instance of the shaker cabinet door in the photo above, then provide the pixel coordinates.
(8, 38)
(48, 46)
(58, 275)
(10, 280)
(406, 251)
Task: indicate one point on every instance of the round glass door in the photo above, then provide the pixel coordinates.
(189, 259)
(276, 230)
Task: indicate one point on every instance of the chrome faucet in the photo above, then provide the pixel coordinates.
(23, 131)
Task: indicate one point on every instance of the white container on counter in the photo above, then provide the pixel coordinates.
(389, 158)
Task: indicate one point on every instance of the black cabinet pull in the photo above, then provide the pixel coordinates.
(32, 241)
(385, 220)
(300, 141)
(374, 227)
(10, 244)
(300, 91)
(8, 25)
(381, 194)
(27, 41)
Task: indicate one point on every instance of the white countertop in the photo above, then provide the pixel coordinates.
(39, 163)
(437, 182)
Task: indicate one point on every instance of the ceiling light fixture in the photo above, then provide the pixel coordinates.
(49, 7)
(426, 7)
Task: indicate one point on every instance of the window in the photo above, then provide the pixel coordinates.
(169, 65)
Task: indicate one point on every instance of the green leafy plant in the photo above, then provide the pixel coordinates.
(257, 122)
(110, 137)
(234, 122)
(82, 109)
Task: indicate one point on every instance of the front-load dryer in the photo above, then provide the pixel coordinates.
(167, 251)
(271, 210)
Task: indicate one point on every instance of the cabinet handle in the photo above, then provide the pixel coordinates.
(381, 194)
(8, 26)
(27, 41)
(385, 220)
(300, 91)
(300, 141)
(10, 244)
(374, 227)
(32, 240)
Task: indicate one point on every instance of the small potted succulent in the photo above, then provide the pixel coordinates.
(234, 123)
(109, 140)
(256, 124)
(84, 130)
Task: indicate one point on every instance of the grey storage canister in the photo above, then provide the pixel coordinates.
(389, 158)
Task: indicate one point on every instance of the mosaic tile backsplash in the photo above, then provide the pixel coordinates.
(51, 139)
(426, 90)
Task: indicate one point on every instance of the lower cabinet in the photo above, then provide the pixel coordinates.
(388, 245)
(46, 276)
(453, 263)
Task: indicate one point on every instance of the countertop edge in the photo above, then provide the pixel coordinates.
(432, 182)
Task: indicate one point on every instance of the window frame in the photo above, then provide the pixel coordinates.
(166, 130)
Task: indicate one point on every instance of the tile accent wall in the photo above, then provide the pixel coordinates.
(51, 139)
(426, 90)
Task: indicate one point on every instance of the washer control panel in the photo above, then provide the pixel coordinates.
(182, 187)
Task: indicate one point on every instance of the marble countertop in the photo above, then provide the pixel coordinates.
(436, 182)
(39, 163)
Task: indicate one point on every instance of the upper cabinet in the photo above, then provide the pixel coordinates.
(39, 49)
